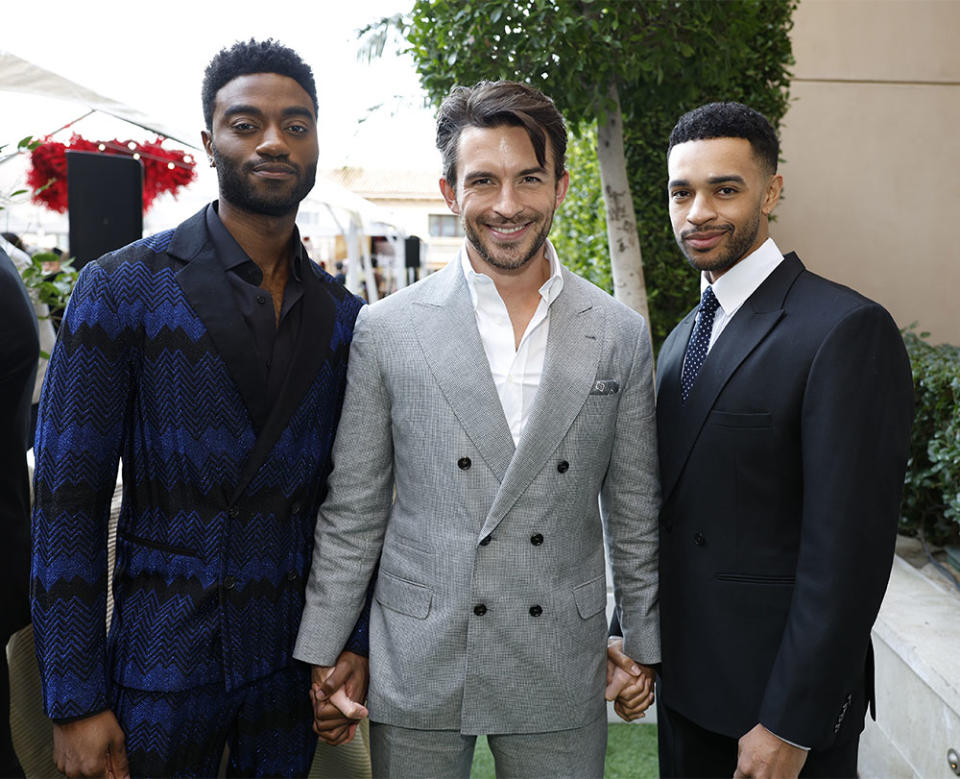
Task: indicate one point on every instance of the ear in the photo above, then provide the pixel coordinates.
(563, 184)
(771, 195)
(450, 195)
(207, 145)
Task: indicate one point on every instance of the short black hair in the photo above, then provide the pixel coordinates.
(246, 57)
(729, 120)
(496, 103)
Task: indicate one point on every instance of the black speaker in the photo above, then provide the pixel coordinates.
(411, 252)
(105, 198)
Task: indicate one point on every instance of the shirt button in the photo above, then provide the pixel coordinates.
(479, 609)
(536, 539)
(699, 539)
(463, 463)
(229, 582)
(233, 512)
(563, 466)
(485, 540)
(535, 611)
(261, 299)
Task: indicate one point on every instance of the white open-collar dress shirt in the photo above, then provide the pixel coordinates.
(516, 370)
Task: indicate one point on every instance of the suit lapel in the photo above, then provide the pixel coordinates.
(313, 347)
(679, 424)
(205, 284)
(446, 327)
(570, 369)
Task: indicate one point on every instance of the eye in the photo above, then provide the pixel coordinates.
(298, 129)
(480, 182)
(242, 126)
(532, 180)
(727, 191)
(679, 194)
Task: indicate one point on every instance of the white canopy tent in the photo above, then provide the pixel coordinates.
(330, 208)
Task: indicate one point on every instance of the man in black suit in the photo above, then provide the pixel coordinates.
(19, 351)
(784, 411)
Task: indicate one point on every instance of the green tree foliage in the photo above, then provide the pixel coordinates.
(931, 497)
(662, 57)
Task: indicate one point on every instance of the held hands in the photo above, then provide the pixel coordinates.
(761, 755)
(92, 746)
(628, 683)
(337, 693)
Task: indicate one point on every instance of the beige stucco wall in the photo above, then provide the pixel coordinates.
(872, 170)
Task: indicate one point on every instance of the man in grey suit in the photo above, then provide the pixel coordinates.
(501, 423)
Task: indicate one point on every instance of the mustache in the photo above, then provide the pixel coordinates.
(699, 231)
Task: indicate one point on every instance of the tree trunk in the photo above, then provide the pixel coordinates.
(626, 263)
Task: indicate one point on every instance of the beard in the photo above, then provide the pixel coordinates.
(503, 260)
(236, 188)
(738, 244)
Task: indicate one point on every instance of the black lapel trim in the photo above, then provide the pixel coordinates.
(204, 282)
(680, 424)
(313, 348)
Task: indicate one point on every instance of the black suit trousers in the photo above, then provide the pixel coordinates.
(687, 750)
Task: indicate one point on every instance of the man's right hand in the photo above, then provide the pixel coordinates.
(92, 746)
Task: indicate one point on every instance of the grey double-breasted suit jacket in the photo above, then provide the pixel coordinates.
(489, 605)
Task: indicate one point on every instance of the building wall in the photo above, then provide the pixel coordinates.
(872, 155)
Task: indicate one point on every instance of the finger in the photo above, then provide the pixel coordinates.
(336, 677)
(635, 693)
(349, 707)
(621, 680)
(118, 758)
(616, 655)
(330, 735)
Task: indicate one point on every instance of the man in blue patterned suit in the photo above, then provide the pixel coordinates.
(211, 359)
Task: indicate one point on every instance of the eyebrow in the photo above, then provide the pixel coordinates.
(483, 174)
(243, 108)
(731, 179)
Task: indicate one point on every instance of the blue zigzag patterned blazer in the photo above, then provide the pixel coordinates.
(220, 491)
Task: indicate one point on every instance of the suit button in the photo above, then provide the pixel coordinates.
(563, 466)
(233, 512)
(536, 539)
(485, 540)
(296, 507)
(479, 609)
(463, 463)
(229, 582)
(291, 576)
(535, 611)
(698, 538)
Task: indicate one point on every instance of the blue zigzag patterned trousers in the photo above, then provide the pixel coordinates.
(267, 725)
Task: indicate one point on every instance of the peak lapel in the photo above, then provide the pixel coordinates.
(205, 284)
(570, 369)
(446, 328)
(313, 347)
(680, 424)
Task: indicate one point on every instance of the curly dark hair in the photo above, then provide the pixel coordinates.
(252, 56)
(496, 103)
(729, 120)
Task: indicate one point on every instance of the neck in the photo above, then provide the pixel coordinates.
(517, 285)
(265, 239)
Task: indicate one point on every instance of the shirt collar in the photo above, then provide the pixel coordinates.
(741, 281)
(480, 283)
(232, 255)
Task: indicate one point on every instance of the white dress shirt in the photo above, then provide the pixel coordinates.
(736, 285)
(516, 370)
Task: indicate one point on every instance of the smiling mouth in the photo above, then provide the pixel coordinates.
(704, 240)
(508, 230)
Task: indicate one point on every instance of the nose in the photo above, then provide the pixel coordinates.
(701, 210)
(272, 142)
(508, 203)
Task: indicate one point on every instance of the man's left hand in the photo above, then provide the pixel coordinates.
(761, 755)
(337, 693)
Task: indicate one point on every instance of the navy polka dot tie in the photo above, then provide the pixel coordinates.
(699, 342)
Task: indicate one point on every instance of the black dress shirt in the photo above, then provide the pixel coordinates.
(274, 342)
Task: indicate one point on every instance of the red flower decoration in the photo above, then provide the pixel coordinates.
(164, 170)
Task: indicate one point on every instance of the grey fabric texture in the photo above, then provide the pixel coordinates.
(477, 625)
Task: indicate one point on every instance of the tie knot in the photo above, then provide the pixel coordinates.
(709, 303)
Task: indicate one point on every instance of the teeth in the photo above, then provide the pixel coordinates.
(507, 228)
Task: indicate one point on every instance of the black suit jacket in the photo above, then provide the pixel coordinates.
(782, 477)
(19, 351)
